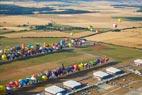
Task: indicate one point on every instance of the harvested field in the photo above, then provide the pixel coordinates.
(45, 34)
(84, 20)
(20, 20)
(128, 38)
(17, 29)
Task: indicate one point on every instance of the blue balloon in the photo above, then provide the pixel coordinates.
(98, 61)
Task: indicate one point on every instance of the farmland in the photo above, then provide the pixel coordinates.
(35, 23)
(128, 38)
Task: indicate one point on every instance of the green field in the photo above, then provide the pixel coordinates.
(121, 54)
(8, 42)
(116, 52)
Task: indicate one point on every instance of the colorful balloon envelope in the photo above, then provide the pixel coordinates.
(44, 77)
(2, 89)
(75, 67)
(69, 44)
(81, 66)
(114, 25)
(4, 57)
(23, 45)
(16, 84)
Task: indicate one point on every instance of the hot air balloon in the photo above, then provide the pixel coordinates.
(44, 78)
(1, 51)
(119, 20)
(2, 90)
(91, 28)
(81, 66)
(75, 66)
(4, 57)
(69, 45)
(114, 25)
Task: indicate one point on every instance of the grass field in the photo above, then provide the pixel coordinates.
(116, 52)
(8, 42)
(51, 61)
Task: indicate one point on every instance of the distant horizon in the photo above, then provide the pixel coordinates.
(18, 7)
(131, 2)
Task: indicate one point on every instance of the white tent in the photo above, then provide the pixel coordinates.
(54, 90)
(138, 62)
(72, 84)
(100, 75)
(112, 70)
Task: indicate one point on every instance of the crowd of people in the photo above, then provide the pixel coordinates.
(30, 50)
(52, 74)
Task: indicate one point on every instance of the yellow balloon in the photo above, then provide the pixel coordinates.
(81, 66)
(5, 50)
(72, 41)
(4, 57)
(69, 44)
(119, 20)
(2, 89)
(44, 78)
(44, 44)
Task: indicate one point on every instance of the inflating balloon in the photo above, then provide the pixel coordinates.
(4, 57)
(75, 67)
(72, 41)
(81, 65)
(5, 50)
(45, 44)
(23, 45)
(17, 84)
(1, 51)
(2, 89)
(44, 77)
(30, 46)
(92, 62)
(69, 44)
